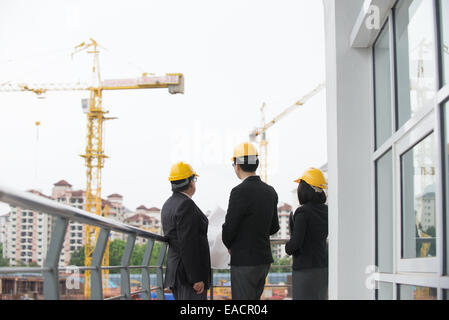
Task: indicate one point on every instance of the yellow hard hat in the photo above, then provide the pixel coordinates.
(313, 177)
(181, 171)
(244, 149)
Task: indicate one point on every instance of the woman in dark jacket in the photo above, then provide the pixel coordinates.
(308, 243)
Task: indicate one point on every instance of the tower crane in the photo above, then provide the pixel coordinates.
(261, 131)
(94, 154)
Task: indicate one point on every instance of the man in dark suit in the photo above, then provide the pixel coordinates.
(250, 220)
(188, 272)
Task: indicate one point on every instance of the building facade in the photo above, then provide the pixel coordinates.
(151, 212)
(116, 211)
(74, 239)
(26, 235)
(387, 80)
(3, 221)
(284, 231)
(146, 222)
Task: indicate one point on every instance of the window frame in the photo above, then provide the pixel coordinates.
(410, 140)
(437, 66)
(388, 23)
(444, 108)
(426, 272)
(376, 215)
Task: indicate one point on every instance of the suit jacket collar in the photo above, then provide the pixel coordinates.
(177, 193)
(251, 178)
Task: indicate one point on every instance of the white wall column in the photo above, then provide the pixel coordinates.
(349, 129)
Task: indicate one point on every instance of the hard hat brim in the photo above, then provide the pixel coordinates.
(179, 178)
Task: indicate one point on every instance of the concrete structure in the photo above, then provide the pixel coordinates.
(386, 87)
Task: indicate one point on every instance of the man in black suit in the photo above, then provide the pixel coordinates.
(250, 220)
(188, 272)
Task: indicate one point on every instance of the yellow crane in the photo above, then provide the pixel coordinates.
(261, 131)
(94, 154)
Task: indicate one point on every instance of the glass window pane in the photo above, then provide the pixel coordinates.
(444, 18)
(445, 294)
(385, 291)
(446, 175)
(382, 79)
(415, 57)
(418, 200)
(407, 292)
(384, 213)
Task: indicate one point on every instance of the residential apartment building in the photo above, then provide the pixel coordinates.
(26, 235)
(152, 212)
(116, 211)
(143, 220)
(284, 211)
(3, 222)
(74, 239)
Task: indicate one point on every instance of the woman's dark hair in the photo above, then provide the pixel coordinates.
(307, 194)
(248, 163)
(181, 185)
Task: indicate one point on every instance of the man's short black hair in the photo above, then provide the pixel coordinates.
(181, 185)
(248, 163)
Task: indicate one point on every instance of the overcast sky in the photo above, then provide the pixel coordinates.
(234, 55)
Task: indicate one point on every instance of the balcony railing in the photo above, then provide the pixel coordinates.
(285, 285)
(63, 214)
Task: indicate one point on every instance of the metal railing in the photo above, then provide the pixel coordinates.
(63, 214)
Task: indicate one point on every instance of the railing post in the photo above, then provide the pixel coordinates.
(160, 273)
(146, 285)
(51, 277)
(96, 290)
(125, 285)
